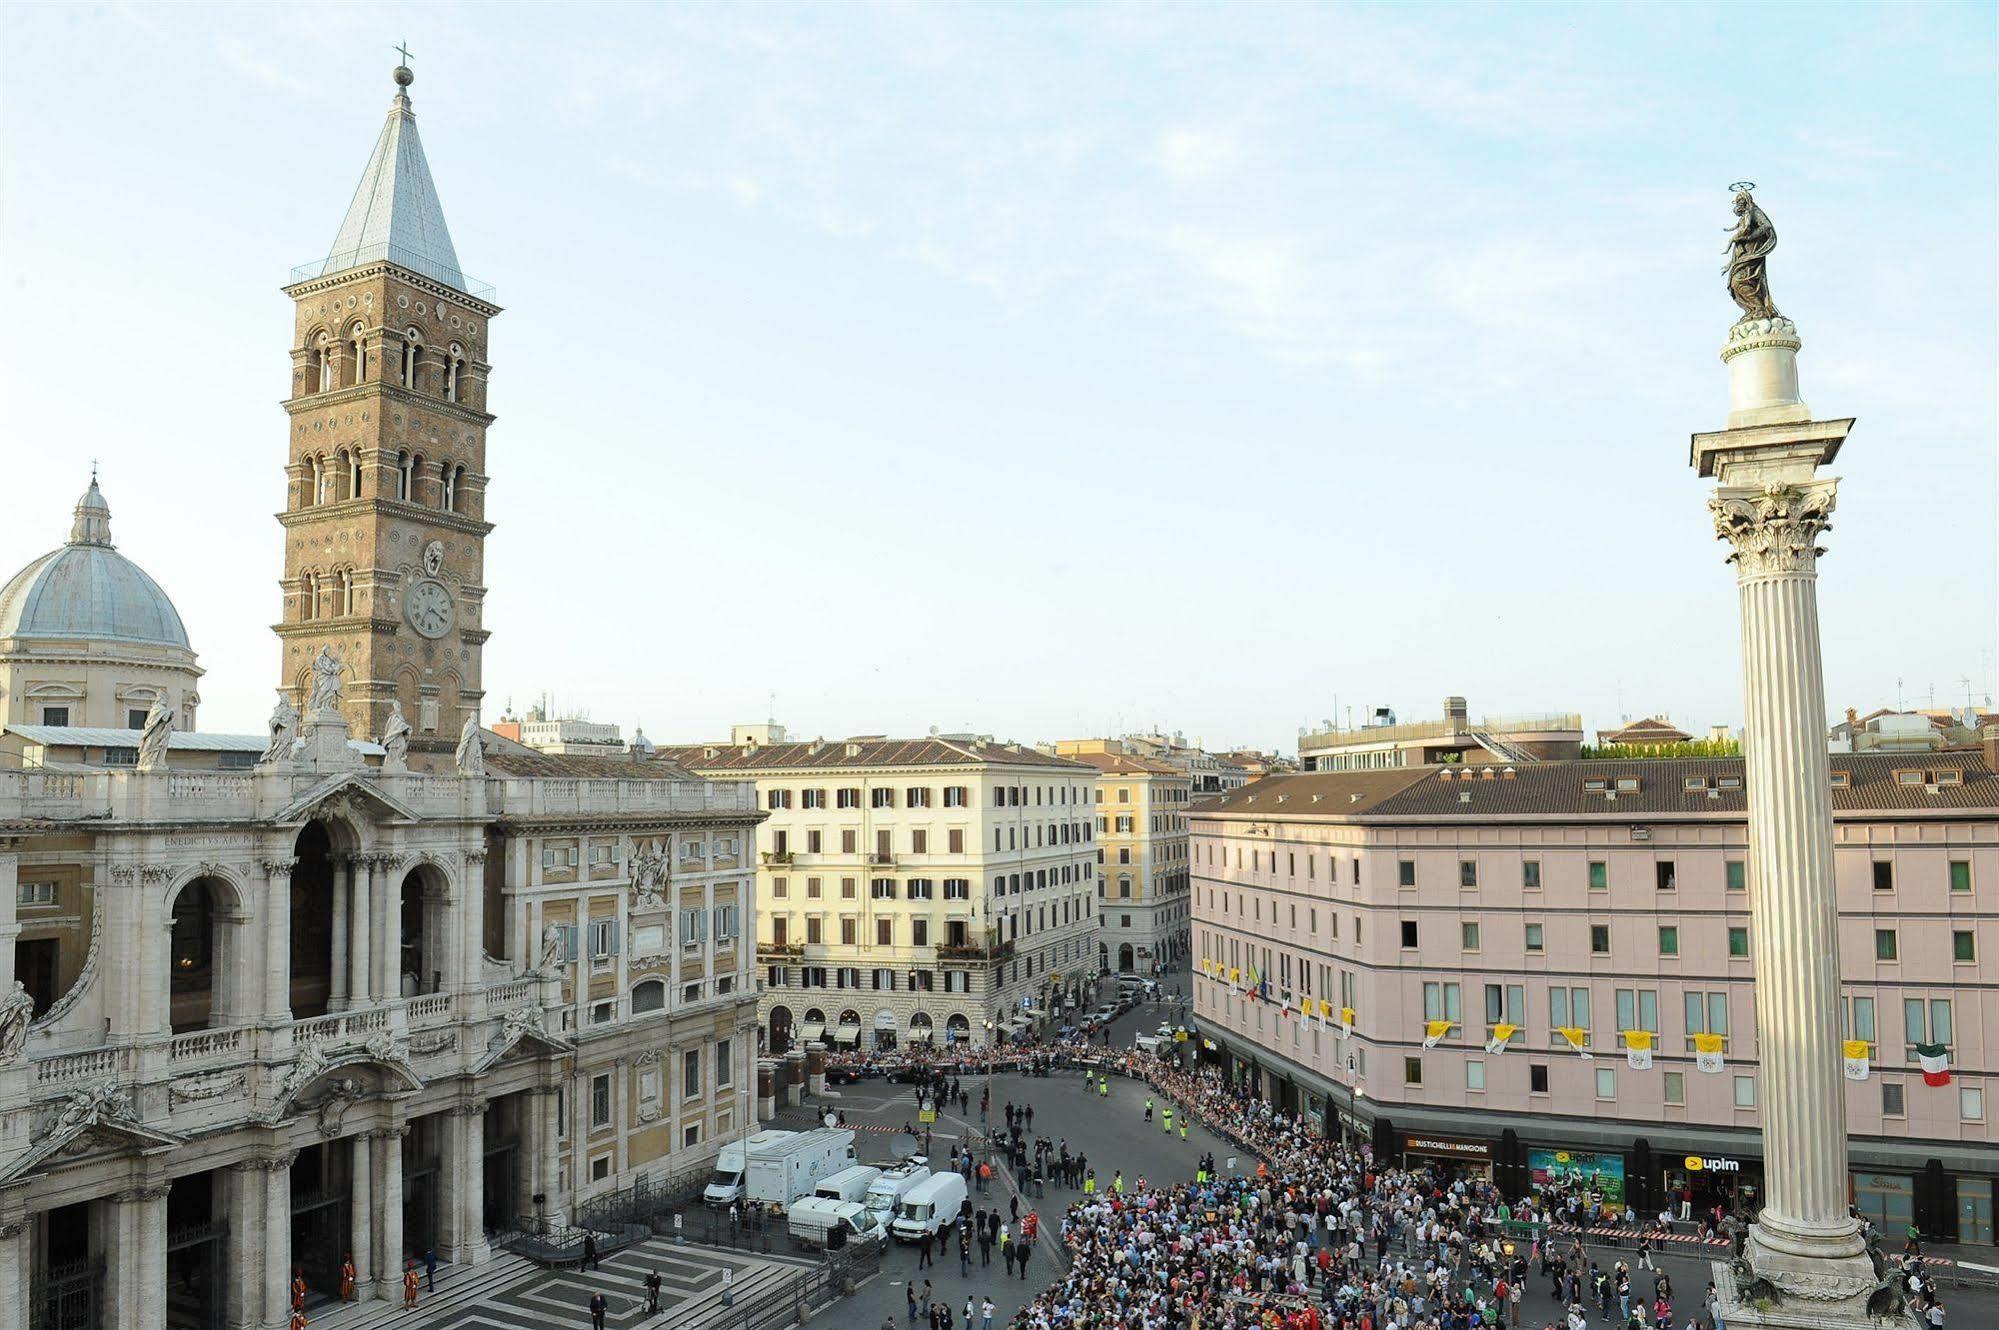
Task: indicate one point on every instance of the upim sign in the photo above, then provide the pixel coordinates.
(1696, 1164)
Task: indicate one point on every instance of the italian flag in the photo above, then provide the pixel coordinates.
(1936, 1063)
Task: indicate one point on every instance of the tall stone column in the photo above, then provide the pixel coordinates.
(462, 1185)
(361, 1212)
(360, 930)
(13, 1270)
(389, 1207)
(1771, 506)
(343, 875)
(243, 1267)
(277, 1252)
(10, 897)
(386, 888)
(137, 1269)
(278, 940)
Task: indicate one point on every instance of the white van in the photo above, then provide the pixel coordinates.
(849, 1184)
(885, 1193)
(929, 1207)
(816, 1219)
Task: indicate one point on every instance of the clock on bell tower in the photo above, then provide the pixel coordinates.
(384, 519)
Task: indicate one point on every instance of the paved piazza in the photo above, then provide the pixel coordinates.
(1109, 1131)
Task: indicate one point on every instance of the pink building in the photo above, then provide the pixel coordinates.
(1605, 896)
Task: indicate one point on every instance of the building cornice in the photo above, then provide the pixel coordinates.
(394, 392)
(383, 268)
(459, 522)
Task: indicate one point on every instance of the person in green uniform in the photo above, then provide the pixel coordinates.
(1166, 1120)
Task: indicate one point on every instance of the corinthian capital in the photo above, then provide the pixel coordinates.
(1774, 529)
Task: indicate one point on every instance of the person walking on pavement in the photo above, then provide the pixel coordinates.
(590, 1260)
(986, 1313)
(1148, 1110)
(430, 1269)
(1117, 1182)
(926, 1297)
(909, 1292)
(965, 1259)
(598, 1309)
(923, 1253)
(652, 1292)
(1166, 1118)
(1026, 1248)
(1030, 1117)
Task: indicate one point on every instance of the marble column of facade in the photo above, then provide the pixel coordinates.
(277, 1238)
(10, 922)
(360, 930)
(14, 1281)
(471, 901)
(278, 940)
(462, 1185)
(389, 1208)
(361, 1211)
(343, 875)
(385, 946)
(546, 1106)
(136, 1268)
(242, 1266)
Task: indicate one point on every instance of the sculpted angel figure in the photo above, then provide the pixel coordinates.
(326, 672)
(396, 739)
(284, 728)
(17, 1009)
(153, 739)
(1749, 247)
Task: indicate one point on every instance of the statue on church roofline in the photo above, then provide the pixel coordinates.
(153, 739)
(1749, 247)
(326, 672)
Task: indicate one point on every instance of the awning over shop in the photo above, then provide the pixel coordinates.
(1013, 1023)
(1033, 1013)
(847, 1034)
(812, 1029)
(920, 1036)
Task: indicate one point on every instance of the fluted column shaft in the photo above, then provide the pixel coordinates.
(1794, 908)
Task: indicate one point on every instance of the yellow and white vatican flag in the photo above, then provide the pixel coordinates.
(1707, 1052)
(1346, 1022)
(1856, 1059)
(1434, 1031)
(1501, 1032)
(1235, 976)
(1576, 1038)
(1638, 1049)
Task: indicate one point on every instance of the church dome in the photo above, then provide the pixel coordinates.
(88, 591)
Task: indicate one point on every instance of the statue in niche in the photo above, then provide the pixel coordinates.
(1749, 247)
(153, 739)
(396, 739)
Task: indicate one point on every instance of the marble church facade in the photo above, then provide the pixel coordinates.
(388, 983)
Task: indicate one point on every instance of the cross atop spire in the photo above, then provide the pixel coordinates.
(395, 214)
(403, 51)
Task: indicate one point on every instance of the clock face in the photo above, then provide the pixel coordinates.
(429, 609)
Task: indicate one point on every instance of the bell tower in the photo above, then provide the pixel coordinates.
(385, 493)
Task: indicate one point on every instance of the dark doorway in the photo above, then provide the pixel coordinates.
(196, 1296)
(191, 958)
(420, 1189)
(322, 1199)
(35, 966)
(67, 1293)
(312, 923)
(502, 1165)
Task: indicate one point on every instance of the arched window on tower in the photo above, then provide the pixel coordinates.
(412, 346)
(354, 474)
(454, 365)
(309, 597)
(358, 336)
(346, 590)
(405, 476)
(316, 480)
(453, 477)
(323, 351)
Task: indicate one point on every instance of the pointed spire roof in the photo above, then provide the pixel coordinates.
(395, 215)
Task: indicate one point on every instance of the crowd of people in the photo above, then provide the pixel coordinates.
(1319, 1236)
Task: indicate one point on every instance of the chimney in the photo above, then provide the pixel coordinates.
(1455, 712)
(1989, 739)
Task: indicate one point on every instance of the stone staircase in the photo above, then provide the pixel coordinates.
(459, 1288)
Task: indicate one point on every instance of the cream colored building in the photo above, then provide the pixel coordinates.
(935, 889)
(268, 1000)
(1142, 864)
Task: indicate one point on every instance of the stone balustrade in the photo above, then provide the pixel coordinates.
(204, 1045)
(91, 1064)
(430, 1009)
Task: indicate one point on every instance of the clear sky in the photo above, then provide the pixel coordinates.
(1045, 369)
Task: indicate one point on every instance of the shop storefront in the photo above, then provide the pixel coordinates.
(1599, 1177)
(1889, 1199)
(1464, 1155)
(1694, 1184)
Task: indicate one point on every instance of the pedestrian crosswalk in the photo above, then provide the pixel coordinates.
(694, 1282)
